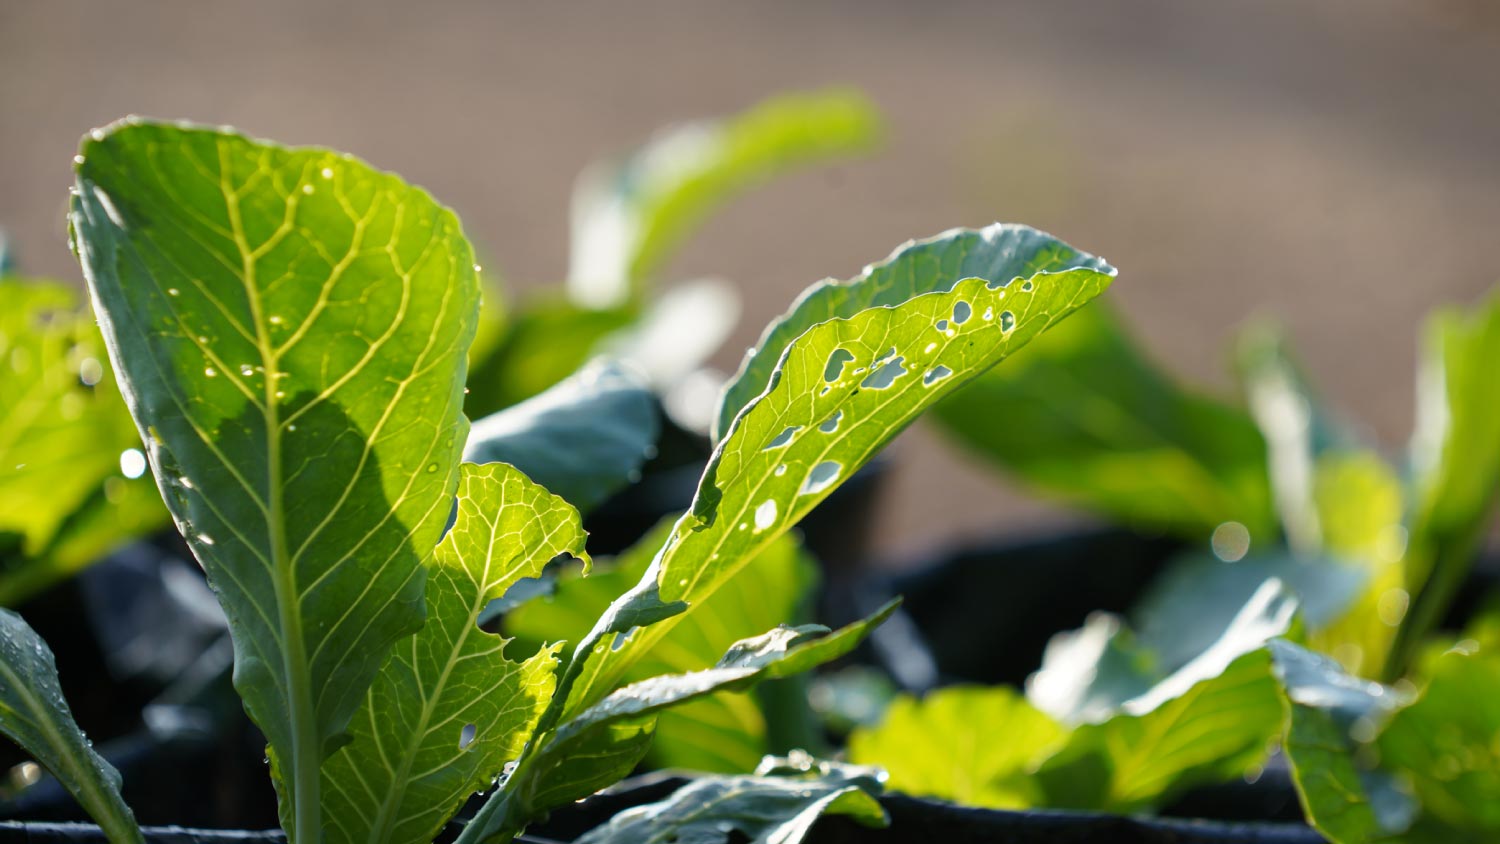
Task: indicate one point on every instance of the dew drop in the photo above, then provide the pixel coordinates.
(77, 159)
(132, 463)
(328, 172)
(431, 467)
(90, 371)
(307, 189)
(989, 314)
(765, 515)
(246, 370)
(210, 371)
(172, 291)
(275, 319)
(780, 470)
(1007, 320)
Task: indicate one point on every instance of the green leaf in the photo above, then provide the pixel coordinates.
(972, 745)
(35, 716)
(727, 731)
(449, 710)
(62, 424)
(289, 327)
(779, 653)
(630, 215)
(582, 439)
(1447, 744)
(778, 806)
(999, 253)
(842, 390)
(1086, 417)
(1455, 462)
(1329, 714)
(1210, 720)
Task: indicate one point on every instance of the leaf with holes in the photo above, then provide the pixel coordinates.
(289, 328)
(35, 716)
(778, 806)
(449, 710)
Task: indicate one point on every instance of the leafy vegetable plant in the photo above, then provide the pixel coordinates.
(290, 330)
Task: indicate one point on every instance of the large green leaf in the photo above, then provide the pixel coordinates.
(972, 745)
(62, 424)
(449, 709)
(1210, 720)
(1329, 716)
(289, 328)
(629, 215)
(1000, 253)
(777, 806)
(725, 732)
(1086, 417)
(583, 439)
(34, 715)
(1455, 461)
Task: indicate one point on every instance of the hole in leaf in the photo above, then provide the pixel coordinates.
(941, 325)
(783, 439)
(822, 476)
(1007, 320)
(885, 375)
(1027, 286)
(466, 736)
(836, 362)
(961, 312)
(765, 515)
(936, 374)
(831, 424)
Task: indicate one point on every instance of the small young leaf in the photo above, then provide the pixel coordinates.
(582, 439)
(972, 745)
(289, 327)
(1343, 798)
(34, 715)
(1000, 253)
(778, 806)
(628, 216)
(781, 652)
(449, 710)
(725, 732)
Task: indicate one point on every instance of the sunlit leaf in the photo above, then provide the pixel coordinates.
(289, 328)
(449, 709)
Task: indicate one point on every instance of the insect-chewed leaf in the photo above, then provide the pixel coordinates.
(839, 393)
(778, 806)
(449, 710)
(289, 327)
(999, 253)
(34, 714)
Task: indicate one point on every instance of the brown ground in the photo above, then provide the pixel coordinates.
(1334, 163)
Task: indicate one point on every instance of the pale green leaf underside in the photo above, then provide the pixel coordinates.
(778, 807)
(843, 390)
(999, 253)
(583, 438)
(968, 744)
(449, 710)
(35, 716)
(289, 327)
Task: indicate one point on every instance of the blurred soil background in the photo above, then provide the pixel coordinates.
(1331, 163)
